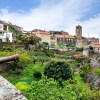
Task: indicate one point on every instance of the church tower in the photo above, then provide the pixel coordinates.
(79, 32)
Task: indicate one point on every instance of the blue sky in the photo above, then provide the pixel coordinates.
(19, 5)
(53, 14)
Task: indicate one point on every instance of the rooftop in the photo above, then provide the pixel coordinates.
(65, 36)
(8, 23)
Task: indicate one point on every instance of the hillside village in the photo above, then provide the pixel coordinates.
(9, 31)
(48, 65)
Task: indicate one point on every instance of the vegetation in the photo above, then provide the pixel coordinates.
(68, 53)
(79, 49)
(58, 70)
(43, 76)
(97, 71)
(28, 39)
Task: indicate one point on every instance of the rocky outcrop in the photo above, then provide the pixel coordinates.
(93, 80)
(9, 92)
(94, 63)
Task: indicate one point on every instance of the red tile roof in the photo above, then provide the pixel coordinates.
(65, 36)
(96, 45)
(8, 23)
(46, 33)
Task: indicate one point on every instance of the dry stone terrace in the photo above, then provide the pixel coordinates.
(8, 91)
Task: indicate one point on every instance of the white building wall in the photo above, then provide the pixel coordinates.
(1, 26)
(4, 37)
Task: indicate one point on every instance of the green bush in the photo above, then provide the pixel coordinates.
(79, 49)
(97, 71)
(48, 89)
(22, 86)
(82, 74)
(37, 75)
(84, 70)
(38, 53)
(49, 53)
(24, 59)
(68, 53)
(6, 48)
(58, 70)
(79, 59)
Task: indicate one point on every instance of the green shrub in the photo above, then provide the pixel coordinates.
(22, 86)
(79, 49)
(85, 69)
(6, 48)
(79, 59)
(82, 74)
(58, 70)
(48, 89)
(38, 53)
(49, 53)
(37, 75)
(25, 59)
(97, 71)
(68, 53)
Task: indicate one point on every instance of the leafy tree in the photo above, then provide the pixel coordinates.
(28, 39)
(13, 29)
(32, 39)
(58, 70)
(45, 45)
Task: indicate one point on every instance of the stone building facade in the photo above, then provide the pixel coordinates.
(83, 41)
(96, 47)
(44, 35)
(56, 38)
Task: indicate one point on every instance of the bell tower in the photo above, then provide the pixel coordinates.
(79, 32)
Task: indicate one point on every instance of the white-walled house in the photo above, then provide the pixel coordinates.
(6, 35)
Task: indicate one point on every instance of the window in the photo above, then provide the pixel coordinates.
(5, 27)
(0, 32)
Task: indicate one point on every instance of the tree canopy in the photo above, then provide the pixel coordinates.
(58, 70)
(29, 39)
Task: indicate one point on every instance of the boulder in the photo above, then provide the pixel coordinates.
(94, 63)
(93, 79)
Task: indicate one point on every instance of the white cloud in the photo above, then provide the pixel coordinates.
(55, 15)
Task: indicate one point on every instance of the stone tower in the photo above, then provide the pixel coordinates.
(79, 32)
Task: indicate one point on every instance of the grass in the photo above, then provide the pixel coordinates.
(27, 75)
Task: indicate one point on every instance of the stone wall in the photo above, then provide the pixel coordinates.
(9, 92)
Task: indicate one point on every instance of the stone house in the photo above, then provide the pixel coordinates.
(44, 35)
(96, 47)
(56, 38)
(65, 39)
